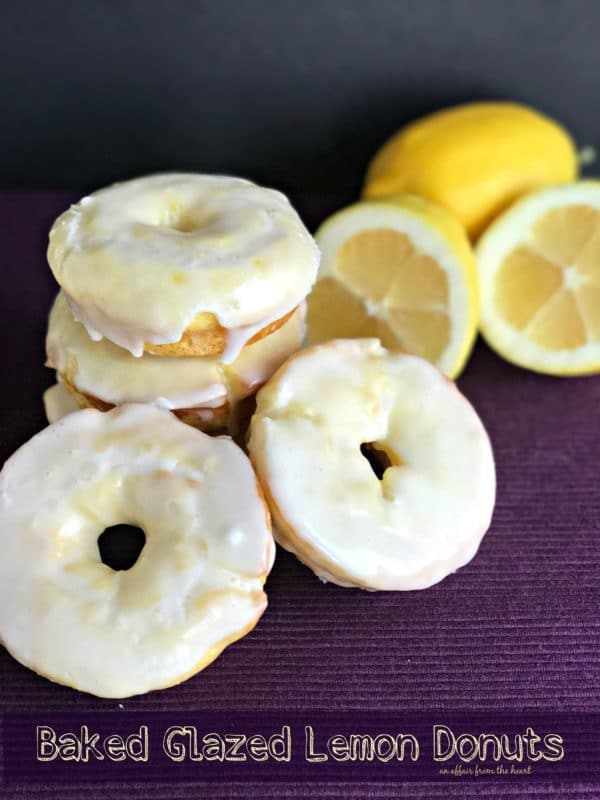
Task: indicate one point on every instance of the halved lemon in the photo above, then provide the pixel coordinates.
(539, 272)
(401, 270)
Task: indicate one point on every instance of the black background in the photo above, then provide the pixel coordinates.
(292, 93)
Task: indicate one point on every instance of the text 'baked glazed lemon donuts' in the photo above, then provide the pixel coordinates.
(378, 472)
(183, 264)
(197, 585)
(203, 392)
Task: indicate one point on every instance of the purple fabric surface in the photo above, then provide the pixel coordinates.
(517, 628)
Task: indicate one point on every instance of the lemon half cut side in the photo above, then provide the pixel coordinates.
(401, 270)
(539, 272)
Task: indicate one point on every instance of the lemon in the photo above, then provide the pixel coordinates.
(401, 270)
(539, 272)
(474, 160)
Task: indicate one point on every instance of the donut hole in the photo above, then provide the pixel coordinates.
(120, 546)
(174, 212)
(184, 223)
(380, 457)
(178, 218)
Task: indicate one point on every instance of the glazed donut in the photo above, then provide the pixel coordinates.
(183, 264)
(202, 391)
(336, 417)
(197, 585)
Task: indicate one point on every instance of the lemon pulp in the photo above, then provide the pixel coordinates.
(550, 287)
(401, 271)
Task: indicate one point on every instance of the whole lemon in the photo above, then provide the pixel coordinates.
(474, 159)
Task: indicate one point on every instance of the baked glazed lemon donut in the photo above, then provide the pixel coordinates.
(203, 392)
(329, 414)
(197, 585)
(183, 264)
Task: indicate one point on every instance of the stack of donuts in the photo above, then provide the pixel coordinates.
(180, 296)
(181, 291)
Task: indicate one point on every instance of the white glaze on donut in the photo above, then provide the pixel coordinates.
(197, 585)
(112, 374)
(428, 514)
(58, 402)
(139, 260)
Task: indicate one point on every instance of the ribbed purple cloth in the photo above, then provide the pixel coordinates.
(517, 628)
